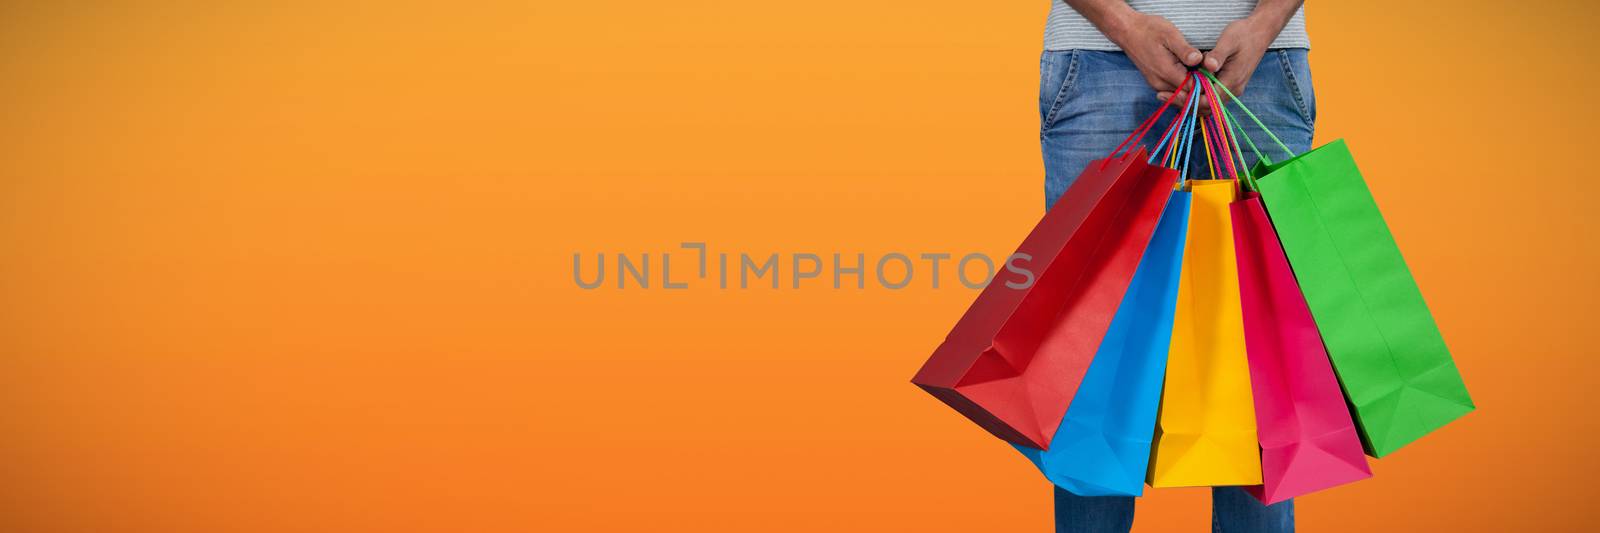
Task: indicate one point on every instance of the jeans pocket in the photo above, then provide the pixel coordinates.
(1297, 78)
(1057, 73)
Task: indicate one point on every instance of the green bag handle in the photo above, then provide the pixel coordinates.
(1233, 127)
(1236, 101)
(1233, 123)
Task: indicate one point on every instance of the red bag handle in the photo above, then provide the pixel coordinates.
(1144, 128)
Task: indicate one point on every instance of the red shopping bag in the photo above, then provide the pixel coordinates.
(1015, 359)
(1308, 441)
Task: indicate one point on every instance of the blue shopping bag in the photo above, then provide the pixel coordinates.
(1102, 446)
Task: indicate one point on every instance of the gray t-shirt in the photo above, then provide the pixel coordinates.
(1201, 21)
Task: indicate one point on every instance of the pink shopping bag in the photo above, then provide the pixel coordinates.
(1308, 441)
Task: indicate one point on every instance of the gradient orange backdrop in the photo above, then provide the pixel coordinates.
(306, 266)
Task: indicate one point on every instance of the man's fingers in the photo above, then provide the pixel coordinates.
(1160, 84)
(1167, 77)
(1188, 55)
(1218, 57)
(1237, 87)
(1233, 81)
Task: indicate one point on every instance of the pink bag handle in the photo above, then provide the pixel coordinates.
(1220, 138)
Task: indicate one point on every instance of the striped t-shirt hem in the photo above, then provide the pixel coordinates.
(1201, 22)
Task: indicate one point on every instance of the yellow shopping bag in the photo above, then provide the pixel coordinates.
(1206, 429)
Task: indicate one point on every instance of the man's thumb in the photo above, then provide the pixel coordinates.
(1218, 57)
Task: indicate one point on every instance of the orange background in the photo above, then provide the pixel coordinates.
(306, 266)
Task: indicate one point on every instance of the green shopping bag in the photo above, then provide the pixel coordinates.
(1394, 366)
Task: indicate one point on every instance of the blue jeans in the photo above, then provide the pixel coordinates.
(1089, 101)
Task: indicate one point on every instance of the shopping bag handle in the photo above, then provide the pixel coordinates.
(1230, 133)
(1214, 140)
(1178, 123)
(1144, 128)
(1236, 132)
(1212, 78)
(1184, 137)
(1245, 179)
(1219, 156)
(1233, 125)
(1180, 134)
(1211, 147)
(1228, 149)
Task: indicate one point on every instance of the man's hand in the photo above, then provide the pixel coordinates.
(1243, 42)
(1238, 51)
(1156, 47)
